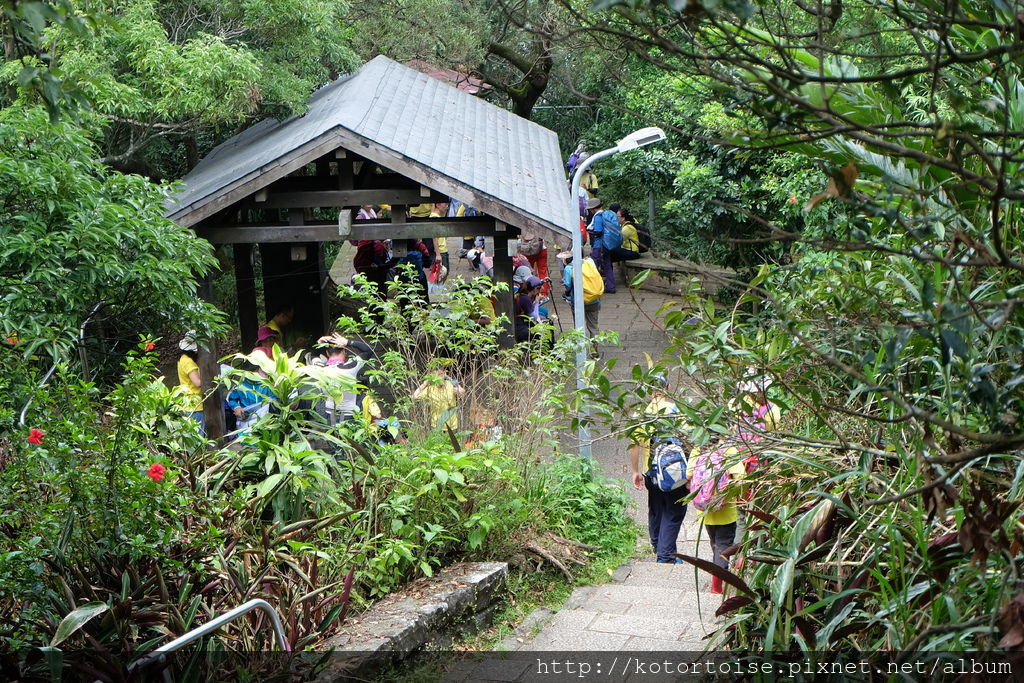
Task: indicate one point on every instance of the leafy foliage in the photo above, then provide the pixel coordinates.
(886, 515)
(77, 236)
(104, 559)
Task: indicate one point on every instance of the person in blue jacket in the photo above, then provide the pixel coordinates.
(604, 226)
(249, 401)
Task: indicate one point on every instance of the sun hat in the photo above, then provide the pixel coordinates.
(522, 272)
(563, 255)
(188, 342)
(264, 333)
(593, 203)
(534, 281)
(754, 382)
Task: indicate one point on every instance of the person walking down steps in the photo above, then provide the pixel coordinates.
(665, 508)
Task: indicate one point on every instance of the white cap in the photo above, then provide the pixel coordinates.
(754, 382)
(188, 342)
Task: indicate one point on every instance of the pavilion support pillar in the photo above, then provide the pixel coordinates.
(209, 368)
(291, 275)
(503, 273)
(245, 288)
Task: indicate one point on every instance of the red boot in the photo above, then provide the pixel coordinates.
(716, 585)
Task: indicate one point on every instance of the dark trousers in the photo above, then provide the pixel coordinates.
(622, 254)
(665, 513)
(721, 536)
(603, 260)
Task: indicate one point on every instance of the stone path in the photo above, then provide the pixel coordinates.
(648, 606)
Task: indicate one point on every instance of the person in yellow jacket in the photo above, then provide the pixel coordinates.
(189, 381)
(440, 393)
(720, 523)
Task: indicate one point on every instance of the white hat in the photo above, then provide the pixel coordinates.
(754, 382)
(188, 342)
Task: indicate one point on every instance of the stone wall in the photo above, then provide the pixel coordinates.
(425, 613)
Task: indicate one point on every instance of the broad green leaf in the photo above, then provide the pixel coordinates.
(75, 620)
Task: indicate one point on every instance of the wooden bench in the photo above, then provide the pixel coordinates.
(672, 276)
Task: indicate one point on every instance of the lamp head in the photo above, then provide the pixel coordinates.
(640, 138)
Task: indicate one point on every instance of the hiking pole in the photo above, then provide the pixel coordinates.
(555, 307)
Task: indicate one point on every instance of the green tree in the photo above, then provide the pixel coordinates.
(170, 79)
(77, 237)
(893, 327)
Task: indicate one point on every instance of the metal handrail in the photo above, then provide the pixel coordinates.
(161, 652)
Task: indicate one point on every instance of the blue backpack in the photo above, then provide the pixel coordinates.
(612, 238)
(668, 465)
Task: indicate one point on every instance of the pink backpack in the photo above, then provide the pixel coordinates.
(753, 421)
(710, 488)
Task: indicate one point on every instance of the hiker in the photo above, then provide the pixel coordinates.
(343, 365)
(457, 209)
(480, 261)
(283, 315)
(414, 257)
(366, 213)
(756, 415)
(575, 158)
(441, 393)
(440, 210)
(281, 323)
(480, 306)
(373, 261)
(591, 296)
(382, 430)
(630, 247)
(714, 474)
(532, 247)
(604, 235)
(249, 401)
(526, 312)
(189, 380)
(665, 509)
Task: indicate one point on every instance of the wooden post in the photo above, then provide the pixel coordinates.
(245, 288)
(213, 403)
(650, 212)
(503, 273)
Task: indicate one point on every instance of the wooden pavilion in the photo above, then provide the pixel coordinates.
(386, 134)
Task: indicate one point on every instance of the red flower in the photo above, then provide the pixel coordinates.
(12, 338)
(156, 471)
(149, 346)
(792, 199)
(35, 436)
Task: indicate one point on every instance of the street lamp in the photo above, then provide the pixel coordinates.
(635, 140)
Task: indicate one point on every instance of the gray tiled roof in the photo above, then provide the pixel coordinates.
(458, 144)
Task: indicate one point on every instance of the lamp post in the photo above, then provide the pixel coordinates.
(635, 140)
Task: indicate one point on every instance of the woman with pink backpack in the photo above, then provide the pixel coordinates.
(715, 475)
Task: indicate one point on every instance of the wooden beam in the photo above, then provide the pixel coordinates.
(325, 199)
(503, 304)
(360, 230)
(209, 368)
(245, 286)
(259, 178)
(271, 234)
(502, 210)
